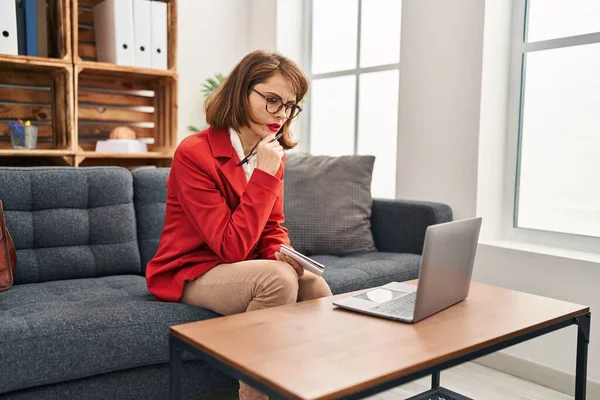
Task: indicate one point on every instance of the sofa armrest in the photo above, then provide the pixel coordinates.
(399, 226)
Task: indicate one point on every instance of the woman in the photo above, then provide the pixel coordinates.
(219, 245)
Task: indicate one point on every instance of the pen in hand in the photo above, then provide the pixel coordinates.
(247, 158)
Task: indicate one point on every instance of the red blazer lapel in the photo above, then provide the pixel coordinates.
(222, 150)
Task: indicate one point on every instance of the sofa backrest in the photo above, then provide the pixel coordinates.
(70, 222)
(150, 197)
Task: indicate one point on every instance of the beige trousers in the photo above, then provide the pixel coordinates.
(252, 285)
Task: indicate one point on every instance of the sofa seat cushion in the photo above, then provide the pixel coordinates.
(362, 271)
(63, 330)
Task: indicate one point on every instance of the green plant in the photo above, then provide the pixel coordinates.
(208, 87)
(211, 84)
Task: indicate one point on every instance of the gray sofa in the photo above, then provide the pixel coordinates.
(79, 322)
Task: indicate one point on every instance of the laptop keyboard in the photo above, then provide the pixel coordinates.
(404, 305)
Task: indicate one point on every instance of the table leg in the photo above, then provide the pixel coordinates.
(435, 380)
(175, 351)
(583, 339)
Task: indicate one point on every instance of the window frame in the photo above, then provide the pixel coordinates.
(356, 72)
(518, 52)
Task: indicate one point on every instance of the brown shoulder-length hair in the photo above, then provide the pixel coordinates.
(228, 106)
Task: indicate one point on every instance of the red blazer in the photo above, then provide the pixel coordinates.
(213, 215)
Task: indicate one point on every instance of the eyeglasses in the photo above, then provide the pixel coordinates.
(275, 104)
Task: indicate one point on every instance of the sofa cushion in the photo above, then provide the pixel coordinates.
(328, 203)
(150, 196)
(62, 330)
(70, 222)
(346, 274)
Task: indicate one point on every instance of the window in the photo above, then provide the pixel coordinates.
(555, 118)
(354, 70)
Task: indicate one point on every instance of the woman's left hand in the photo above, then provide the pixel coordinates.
(290, 261)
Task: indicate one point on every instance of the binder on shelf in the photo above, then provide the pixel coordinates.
(141, 36)
(159, 34)
(9, 43)
(31, 26)
(113, 22)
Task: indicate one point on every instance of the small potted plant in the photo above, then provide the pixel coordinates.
(208, 87)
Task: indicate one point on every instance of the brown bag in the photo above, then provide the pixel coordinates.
(8, 254)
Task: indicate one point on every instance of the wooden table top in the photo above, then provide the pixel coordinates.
(314, 350)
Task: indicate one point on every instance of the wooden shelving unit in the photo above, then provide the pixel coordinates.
(40, 91)
(150, 154)
(38, 153)
(124, 69)
(76, 100)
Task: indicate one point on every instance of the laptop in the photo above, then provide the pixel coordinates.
(444, 277)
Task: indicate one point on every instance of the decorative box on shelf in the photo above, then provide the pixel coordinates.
(123, 145)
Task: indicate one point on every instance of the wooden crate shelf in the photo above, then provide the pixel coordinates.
(107, 99)
(150, 155)
(37, 153)
(84, 35)
(116, 70)
(92, 3)
(38, 161)
(6, 59)
(76, 100)
(41, 93)
(59, 28)
(58, 34)
(92, 158)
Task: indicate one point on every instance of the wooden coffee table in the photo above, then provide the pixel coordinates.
(314, 350)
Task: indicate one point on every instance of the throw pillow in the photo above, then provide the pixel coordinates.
(327, 203)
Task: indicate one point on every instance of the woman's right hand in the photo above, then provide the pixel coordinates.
(289, 260)
(269, 154)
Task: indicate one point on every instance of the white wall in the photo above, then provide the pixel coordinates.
(290, 30)
(556, 277)
(263, 24)
(440, 85)
(493, 115)
(213, 36)
(451, 149)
